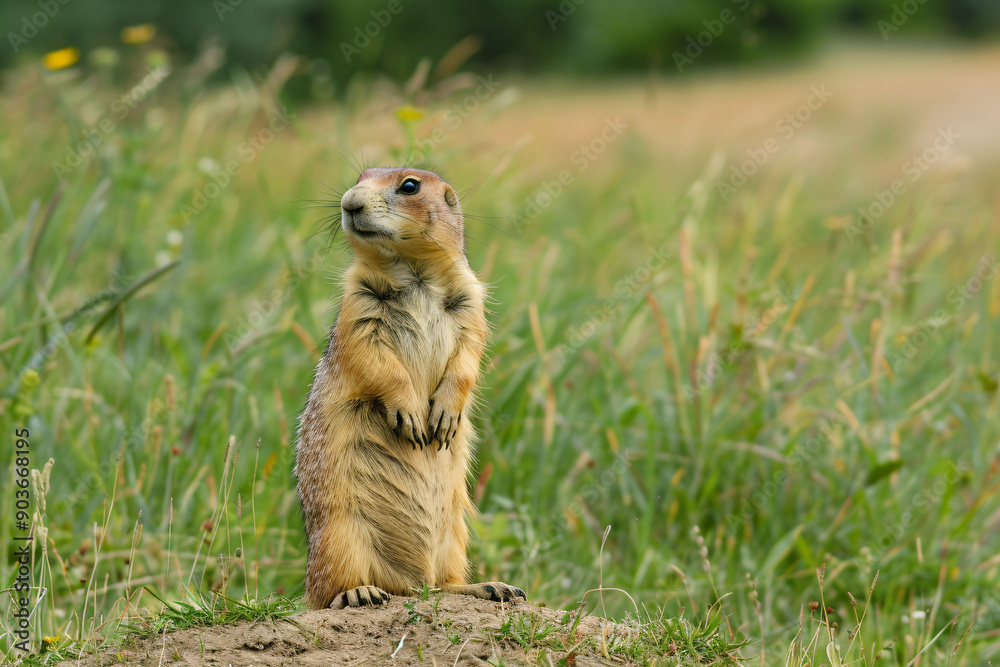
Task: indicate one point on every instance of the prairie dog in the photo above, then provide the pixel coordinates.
(385, 442)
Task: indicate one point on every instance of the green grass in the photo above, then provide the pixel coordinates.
(664, 641)
(173, 350)
(643, 640)
(201, 610)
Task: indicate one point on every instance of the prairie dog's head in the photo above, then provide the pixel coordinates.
(407, 212)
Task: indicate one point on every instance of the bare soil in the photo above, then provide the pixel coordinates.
(447, 630)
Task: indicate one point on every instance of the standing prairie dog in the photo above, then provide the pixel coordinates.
(385, 442)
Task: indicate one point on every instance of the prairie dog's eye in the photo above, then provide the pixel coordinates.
(410, 186)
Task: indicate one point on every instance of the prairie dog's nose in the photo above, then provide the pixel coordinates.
(353, 201)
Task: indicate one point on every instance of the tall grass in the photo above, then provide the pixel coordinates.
(744, 391)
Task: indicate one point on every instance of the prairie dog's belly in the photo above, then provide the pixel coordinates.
(434, 494)
(427, 357)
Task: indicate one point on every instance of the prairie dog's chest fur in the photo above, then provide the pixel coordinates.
(425, 347)
(409, 313)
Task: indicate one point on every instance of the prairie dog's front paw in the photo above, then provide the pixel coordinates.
(443, 422)
(408, 423)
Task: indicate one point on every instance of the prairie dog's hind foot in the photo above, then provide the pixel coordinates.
(362, 596)
(497, 591)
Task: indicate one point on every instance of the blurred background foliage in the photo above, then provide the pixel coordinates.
(584, 37)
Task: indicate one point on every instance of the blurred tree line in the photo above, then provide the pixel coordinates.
(588, 37)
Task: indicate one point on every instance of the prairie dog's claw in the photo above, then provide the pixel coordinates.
(442, 424)
(362, 596)
(406, 425)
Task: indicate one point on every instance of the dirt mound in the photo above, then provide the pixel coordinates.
(443, 630)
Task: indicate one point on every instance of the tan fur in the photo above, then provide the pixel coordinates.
(385, 441)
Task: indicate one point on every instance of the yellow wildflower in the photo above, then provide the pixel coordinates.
(62, 58)
(408, 113)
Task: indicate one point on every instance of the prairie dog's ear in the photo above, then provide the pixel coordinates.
(449, 196)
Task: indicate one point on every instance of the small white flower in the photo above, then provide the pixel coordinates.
(175, 238)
